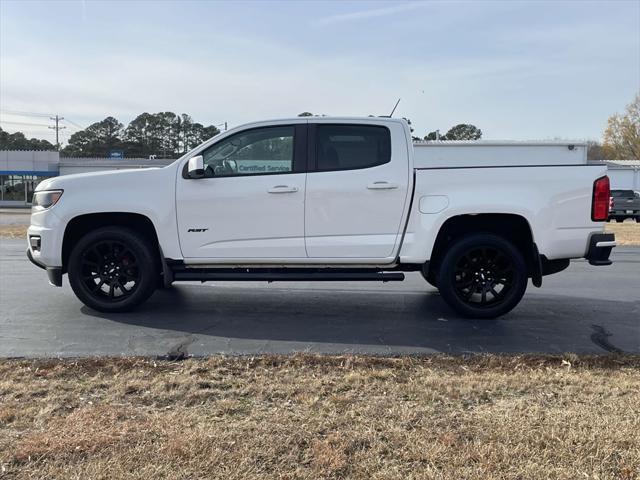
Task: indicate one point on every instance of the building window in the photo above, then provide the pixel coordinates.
(13, 188)
(19, 188)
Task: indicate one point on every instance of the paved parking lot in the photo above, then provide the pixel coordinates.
(584, 309)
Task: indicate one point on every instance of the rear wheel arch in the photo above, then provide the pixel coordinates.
(482, 275)
(512, 227)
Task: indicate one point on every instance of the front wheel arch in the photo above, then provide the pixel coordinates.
(113, 269)
(80, 225)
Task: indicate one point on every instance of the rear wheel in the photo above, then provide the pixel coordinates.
(113, 269)
(482, 276)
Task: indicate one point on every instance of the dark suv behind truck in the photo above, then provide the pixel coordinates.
(624, 204)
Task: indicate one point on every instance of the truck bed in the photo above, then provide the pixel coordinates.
(555, 201)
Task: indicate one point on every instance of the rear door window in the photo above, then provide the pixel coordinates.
(350, 147)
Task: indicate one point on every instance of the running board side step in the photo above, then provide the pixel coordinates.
(285, 274)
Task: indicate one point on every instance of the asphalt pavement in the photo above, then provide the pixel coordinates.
(15, 216)
(584, 309)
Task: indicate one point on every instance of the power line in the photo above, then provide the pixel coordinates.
(74, 124)
(25, 114)
(25, 123)
(34, 132)
(35, 114)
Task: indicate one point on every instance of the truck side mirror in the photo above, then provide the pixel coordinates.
(195, 168)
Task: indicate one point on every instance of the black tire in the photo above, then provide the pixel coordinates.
(113, 269)
(431, 277)
(161, 285)
(480, 266)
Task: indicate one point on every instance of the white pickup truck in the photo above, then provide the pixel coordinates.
(341, 199)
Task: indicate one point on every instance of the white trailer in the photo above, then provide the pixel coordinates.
(624, 174)
(484, 153)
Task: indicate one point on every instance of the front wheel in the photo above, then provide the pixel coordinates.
(113, 269)
(482, 276)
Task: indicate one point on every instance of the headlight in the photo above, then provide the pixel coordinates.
(45, 199)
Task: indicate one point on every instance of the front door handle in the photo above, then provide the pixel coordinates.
(282, 189)
(382, 186)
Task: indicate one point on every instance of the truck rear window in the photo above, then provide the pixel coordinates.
(622, 193)
(348, 147)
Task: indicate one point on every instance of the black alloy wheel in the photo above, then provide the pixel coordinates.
(113, 269)
(110, 270)
(482, 276)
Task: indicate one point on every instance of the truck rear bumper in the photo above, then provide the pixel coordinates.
(624, 214)
(600, 246)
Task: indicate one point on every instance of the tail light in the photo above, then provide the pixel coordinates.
(601, 200)
(610, 204)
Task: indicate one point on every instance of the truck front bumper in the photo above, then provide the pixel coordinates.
(600, 246)
(54, 274)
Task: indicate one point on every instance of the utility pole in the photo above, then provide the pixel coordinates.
(57, 128)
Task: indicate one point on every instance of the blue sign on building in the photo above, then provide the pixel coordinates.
(116, 153)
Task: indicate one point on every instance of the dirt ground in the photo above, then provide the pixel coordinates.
(627, 233)
(13, 231)
(312, 417)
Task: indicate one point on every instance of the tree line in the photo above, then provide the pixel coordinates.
(462, 131)
(18, 141)
(163, 134)
(621, 139)
(168, 135)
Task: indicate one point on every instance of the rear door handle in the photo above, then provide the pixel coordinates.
(382, 186)
(282, 189)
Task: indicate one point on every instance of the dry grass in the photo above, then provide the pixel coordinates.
(13, 231)
(627, 233)
(322, 417)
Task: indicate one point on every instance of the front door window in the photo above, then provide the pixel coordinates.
(258, 151)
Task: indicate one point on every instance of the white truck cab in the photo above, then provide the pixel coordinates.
(319, 198)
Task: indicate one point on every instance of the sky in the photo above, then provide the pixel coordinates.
(516, 69)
